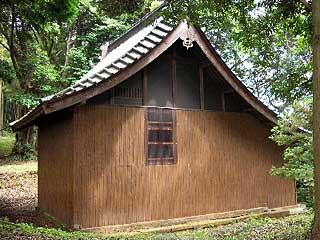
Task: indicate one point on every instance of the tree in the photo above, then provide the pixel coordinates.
(27, 33)
(287, 13)
(97, 23)
(53, 45)
(316, 114)
(87, 33)
(294, 133)
(272, 59)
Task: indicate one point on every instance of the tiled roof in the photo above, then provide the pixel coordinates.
(124, 54)
(132, 48)
(121, 57)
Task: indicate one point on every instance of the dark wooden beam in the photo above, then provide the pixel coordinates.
(202, 103)
(28, 119)
(229, 91)
(205, 65)
(175, 136)
(184, 59)
(249, 110)
(223, 102)
(174, 78)
(145, 86)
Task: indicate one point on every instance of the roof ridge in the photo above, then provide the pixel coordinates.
(136, 27)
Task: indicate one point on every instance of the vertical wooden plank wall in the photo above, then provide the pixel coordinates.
(55, 166)
(223, 164)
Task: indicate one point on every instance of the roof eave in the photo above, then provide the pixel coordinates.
(28, 119)
(60, 102)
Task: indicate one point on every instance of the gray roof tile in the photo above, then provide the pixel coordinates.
(121, 57)
(124, 54)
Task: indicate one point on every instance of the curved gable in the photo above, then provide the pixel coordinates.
(131, 56)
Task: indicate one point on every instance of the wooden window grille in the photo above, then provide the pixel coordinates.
(121, 92)
(160, 136)
(126, 96)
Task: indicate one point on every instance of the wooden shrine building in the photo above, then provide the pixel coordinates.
(160, 128)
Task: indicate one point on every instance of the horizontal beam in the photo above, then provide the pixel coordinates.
(196, 222)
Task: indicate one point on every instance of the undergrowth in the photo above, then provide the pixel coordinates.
(289, 228)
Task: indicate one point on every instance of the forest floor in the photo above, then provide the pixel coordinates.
(19, 220)
(18, 186)
(18, 193)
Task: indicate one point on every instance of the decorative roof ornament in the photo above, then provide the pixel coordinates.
(188, 38)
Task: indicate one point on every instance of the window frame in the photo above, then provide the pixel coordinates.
(163, 160)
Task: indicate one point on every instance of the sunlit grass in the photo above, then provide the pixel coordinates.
(18, 167)
(6, 145)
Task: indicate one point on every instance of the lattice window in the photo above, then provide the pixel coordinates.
(127, 96)
(160, 136)
(121, 92)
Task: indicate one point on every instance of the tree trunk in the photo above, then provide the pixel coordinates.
(1, 109)
(66, 55)
(315, 235)
(24, 137)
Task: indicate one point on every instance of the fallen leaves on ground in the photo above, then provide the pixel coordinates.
(18, 198)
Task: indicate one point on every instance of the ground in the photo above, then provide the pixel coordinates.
(18, 219)
(18, 192)
(18, 186)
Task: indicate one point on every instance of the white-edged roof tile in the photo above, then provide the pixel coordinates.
(132, 49)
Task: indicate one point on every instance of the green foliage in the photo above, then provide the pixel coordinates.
(155, 4)
(24, 99)
(9, 229)
(52, 44)
(292, 227)
(6, 145)
(304, 194)
(268, 49)
(113, 8)
(94, 32)
(294, 133)
(7, 73)
(39, 12)
(79, 64)
(46, 79)
(28, 150)
(28, 38)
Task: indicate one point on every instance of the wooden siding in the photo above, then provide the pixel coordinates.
(223, 164)
(55, 166)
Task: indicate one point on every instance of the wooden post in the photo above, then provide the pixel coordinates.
(223, 101)
(174, 78)
(201, 88)
(145, 86)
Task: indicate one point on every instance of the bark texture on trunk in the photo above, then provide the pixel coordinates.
(25, 138)
(316, 115)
